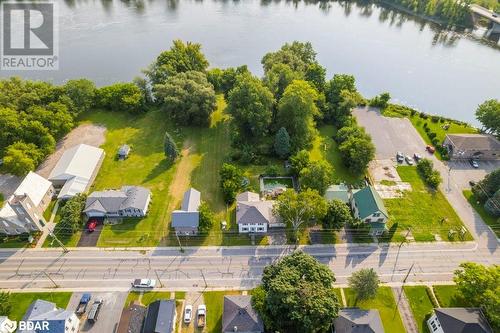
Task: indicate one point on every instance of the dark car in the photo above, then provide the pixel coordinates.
(474, 163)
(400, 157)
(417, 157)
(91, 225)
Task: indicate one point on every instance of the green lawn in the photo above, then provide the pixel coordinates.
(385, 303)
(13, 241)
(422, 210)
(492, 221)
(420, 304)
(214, 300)
(447, 296)
(48, 212)
(21, 302)
(148, 297)
(180, 295)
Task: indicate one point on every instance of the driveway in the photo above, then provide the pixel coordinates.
(109, 315)
(89, 239)
(462, 172)
(390, 135)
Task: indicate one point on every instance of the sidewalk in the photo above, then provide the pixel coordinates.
(405, 310)
(48, 227)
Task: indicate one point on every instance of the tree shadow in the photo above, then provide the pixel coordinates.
(160, 168)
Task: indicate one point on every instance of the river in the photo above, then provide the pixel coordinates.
(437, 72)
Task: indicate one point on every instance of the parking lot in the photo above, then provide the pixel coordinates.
(109, 315)
(462, 172)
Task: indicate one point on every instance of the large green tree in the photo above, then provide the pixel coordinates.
(296, 111)
(488, 114)
(297, 296)
(333, 91)
(121, 97)
(182, 57)
(299, 162)
(357, 152)
(364, 283)
(231, 181)
(71, 216)
(317, 176)
(297, 55)
(20, 158)
(282, 143)
(250, 104)
(278, 77)
(188, 98)
(82, 93)
(488, 186)
(337, 215)
(207, 217)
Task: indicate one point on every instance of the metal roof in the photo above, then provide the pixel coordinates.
(368, 202)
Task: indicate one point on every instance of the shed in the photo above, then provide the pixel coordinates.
(339, 191)
(123, 152)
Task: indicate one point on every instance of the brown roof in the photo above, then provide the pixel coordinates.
(474, 141)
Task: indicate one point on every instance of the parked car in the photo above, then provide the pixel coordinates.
(400, 157)
(409, 160)
(472, 183)
(430, 149)
(144, 283)
(417, 157)
(188, 313)
(94, 310)
(82, 305)
(91, 225)
(474, 163)
(201, 316)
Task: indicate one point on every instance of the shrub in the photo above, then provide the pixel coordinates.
(434, 119)
(272, 170)
(435, 141)
(430, 176)
(431, 135)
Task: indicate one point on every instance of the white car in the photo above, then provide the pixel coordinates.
(144, 283)
(188, 313)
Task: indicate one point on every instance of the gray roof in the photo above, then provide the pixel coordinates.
(188, 215)
(354, 320)
(248, 196)
(255, 212)
(239, 313)
(41, 310)
(340, 192)
(124, 150)
(135, 197)
(474, 141)
(462, 320)
(191, 200)
(160, 317)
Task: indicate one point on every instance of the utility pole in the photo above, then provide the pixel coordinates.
(203, 276)
(179, 241)
(48, 276)
(407, 274)
(158, 277)
(65, 249)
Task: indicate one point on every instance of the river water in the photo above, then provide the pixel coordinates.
(435, 71)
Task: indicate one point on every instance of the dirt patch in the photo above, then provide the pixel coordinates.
(90, 134)
(381, 170)
(392, 191)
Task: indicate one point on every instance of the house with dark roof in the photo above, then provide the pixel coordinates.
(160, 317)
(368, 206)
(458, 320)
(355, 320)
(476, 146)
(186, 220)
(55, 320)
(239, 315)
(254, 215)
(129, 201)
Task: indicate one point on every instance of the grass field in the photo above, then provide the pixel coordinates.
(147, 298)
(21, 302)
(422, 210)
(48, 212)
(447, 296)
(420, 304)
(385, 303)
(214, 300)
(493, 222)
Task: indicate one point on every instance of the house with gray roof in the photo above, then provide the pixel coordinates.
(355, 320)
(129, 201)
(239, 316)
(368, 206)
(476, 146)
(58, 320)
(458, 320)
(186, 220)
(160, 317)
(254, 215)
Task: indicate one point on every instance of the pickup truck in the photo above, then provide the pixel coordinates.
(201, 316)
(94, 310)
(82, 306)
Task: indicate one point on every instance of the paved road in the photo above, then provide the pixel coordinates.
(225, 268)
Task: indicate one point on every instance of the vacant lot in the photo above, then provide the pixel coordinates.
(386, 305)
(21, 302)
(420, 304)
(448, 296)
(492, 221)
(424, 211)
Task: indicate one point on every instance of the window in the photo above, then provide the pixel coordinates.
(376, 214)
(244, 229)
(260, 229)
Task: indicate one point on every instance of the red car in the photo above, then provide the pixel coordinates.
(430, 149)
(91, 225)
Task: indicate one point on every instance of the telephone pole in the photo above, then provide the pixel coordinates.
(65, 249)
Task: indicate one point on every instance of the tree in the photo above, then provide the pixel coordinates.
(430, 176)
(5, 303)
(296, 111)
(357, 152)
(282, 143)
(278, 77)
(298, 56)
(170, 147)
(21, 158)
(333, 90)
(296, 209)
(299, 161)
(479, 286)
(316, 74)
(82, 93)
(250, 104)
(231, 181)
(207, 217)
(188, 98)
(317, 176)
(337, 215)
(488, 186)
(492, 205)
(365, 283)
(182, 57)
(71, 216)
(120, 97)
(297, 295)
(224, 80)
(488, 114)
(380, 101)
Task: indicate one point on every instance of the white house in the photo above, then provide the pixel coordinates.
(76, 170)
(49, 318)
(186, 220)
(129, 201)
(254, 215)
(23, 211)
(458, 320)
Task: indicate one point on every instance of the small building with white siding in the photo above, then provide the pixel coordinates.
(254, 215)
